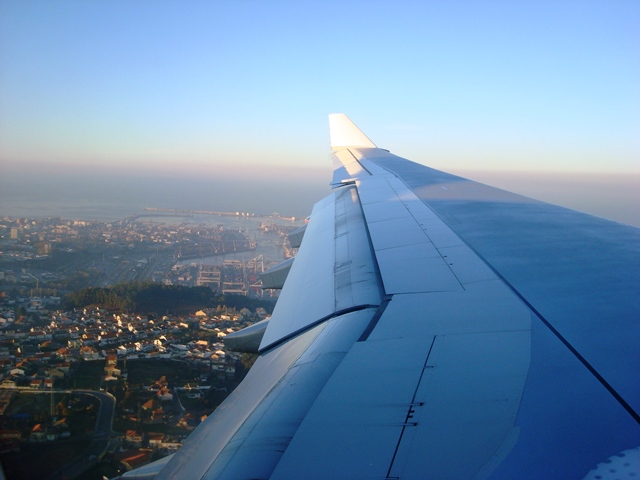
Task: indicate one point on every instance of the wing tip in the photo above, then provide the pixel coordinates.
(344, 133)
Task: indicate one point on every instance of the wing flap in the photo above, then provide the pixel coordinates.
(334, 270)
(353, 428)
(277, 275)
(208, 441)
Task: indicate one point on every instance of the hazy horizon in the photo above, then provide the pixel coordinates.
(33, 192)
(100, 193)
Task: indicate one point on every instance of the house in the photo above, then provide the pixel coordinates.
(89, 353)
(8, 383)
(8, 434)
(74, 343)
(150, 345)
(39, 335)
(164, 395)
(90, 338)
(38, 433)
(108, 338)
(56, 373)
(64, 367)
(113, 371)
(134, 437)
(157, 414)
(155, 439)
(64, 353)
(130, 348)
(135, 459)
(36, 383)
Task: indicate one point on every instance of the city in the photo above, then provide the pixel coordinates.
(52, 254)
(98, 390)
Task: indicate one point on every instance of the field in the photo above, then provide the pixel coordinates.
(89, 375)
(39, 460)
(32, 404)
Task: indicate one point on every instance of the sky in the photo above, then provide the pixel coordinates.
(241, 90)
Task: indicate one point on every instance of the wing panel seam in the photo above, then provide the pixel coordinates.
(359, 162)
(374, 320)
(410, 410)
(311, 325)
(635, 415)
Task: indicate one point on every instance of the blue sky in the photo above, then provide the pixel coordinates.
(204, 88)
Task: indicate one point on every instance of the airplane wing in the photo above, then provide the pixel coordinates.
(434, 327)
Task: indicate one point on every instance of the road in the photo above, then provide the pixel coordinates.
(101, 435)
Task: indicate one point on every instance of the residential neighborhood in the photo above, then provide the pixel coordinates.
(165, 374)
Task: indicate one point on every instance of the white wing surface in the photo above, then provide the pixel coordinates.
(434, 327)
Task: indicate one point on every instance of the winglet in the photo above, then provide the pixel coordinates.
(344, 133)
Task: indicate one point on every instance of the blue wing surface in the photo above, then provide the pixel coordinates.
(434, 327)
